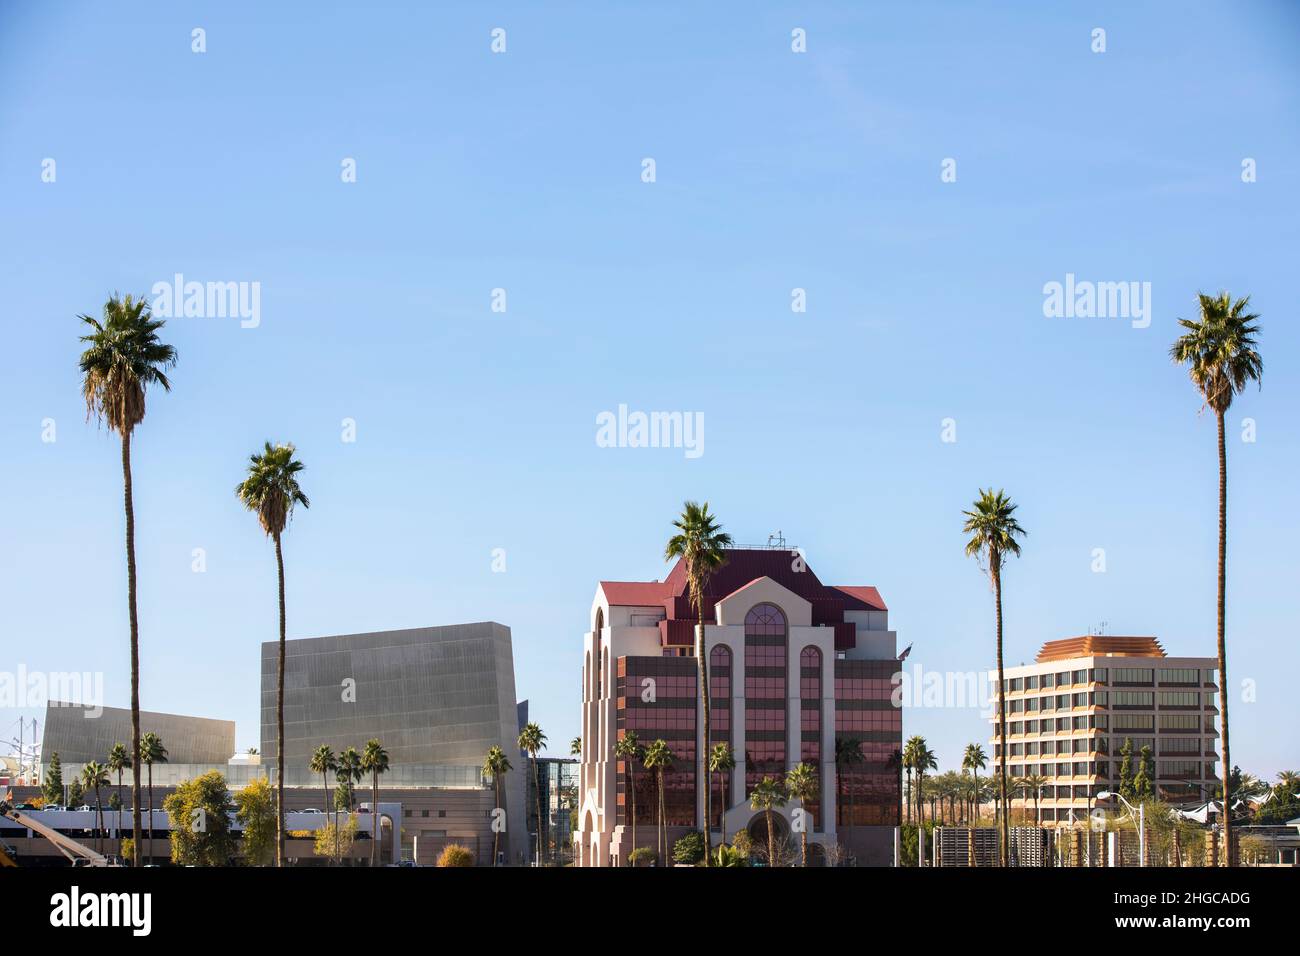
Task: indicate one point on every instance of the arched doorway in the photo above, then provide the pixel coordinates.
(757, 831)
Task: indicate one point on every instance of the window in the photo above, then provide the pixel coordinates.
(1131, 675)
(1180, 698)
(1179, 722)
(1179, 675)
(1081, 677)
(765, 703)
(810, 728)
(1132, 699)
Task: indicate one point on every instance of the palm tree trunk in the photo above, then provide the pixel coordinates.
(374, 818)
(1226, 768)
(279, 718)
(496, 832)
(663, 829)
(803, 840)
(996, 571)
(722, 808)
(541, 820)
(135, 645)
(771, 840)
(150, 857)
(702, 758)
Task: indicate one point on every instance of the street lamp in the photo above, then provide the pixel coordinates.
(1139, 817)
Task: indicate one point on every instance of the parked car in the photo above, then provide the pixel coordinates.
(54, 806)
(311, 810)
(85, 808)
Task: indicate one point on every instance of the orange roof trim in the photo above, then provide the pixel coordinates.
(1095, 645)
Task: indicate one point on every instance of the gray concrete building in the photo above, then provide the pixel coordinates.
(436, 697)
(79, 734)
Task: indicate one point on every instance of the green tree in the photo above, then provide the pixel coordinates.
(1033, 786)
(93, 776)
(52, 787)
(767, 795)
(497, 765)
(701, 543)
(575, 747)
(689, 849)
(1222, 358)
(974, 760)
(348, 774)
(994, 530)
(722, 761)
(123, 357)
(801, 784)
(1126, 769)
(255, 811)
(374, 761)
(119, 759)
(199, 811)
(324, 763)
(271, 491)
(1142, 784)
(628, 750)
(658, 759)
(152, 751)
(531, 741)
(76, 795)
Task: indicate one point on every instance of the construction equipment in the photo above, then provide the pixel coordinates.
(77, 854)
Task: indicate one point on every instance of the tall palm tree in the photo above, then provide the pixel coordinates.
(123, 357)
(531, 741)
(271, 491)
(848, 753)
(801, 784)
(659, 758)
(152, 751)
(925, 760)
(496, 765)
(93, 776)
(629, 751)
(349, 772)
(575, 747)
(974, 760)
(119, 759)
(324, 762)
(767, 795)
(993, 529)
(721, 761)
(374, 761)
(701, 543)
(1220, 353)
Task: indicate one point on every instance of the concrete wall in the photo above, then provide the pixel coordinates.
(79, 735)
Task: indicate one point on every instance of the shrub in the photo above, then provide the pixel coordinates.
(453, 854)
(642, 856)
(689, 849)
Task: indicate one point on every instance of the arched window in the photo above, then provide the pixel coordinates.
(597, 638)
(810, 719)
(765, 703)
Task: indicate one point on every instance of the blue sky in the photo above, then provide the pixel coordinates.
(522, 171)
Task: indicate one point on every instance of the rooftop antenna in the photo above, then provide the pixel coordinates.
(776, 539)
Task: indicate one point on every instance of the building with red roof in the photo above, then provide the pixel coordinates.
(798, 670)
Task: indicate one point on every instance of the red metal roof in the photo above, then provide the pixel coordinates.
(742, 567)
(636, 593)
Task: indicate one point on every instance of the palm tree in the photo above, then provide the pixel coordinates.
(722, 761)
(628, 750)
(93, 776)
(993, 529)
(271, 491)
(659, 759)
(925, 760)
(1222, 359)
(349, 772)
(575, 747)
(801, 784)
(496, 766)
(374, 761)
(323, 762)
(974, 760)
(152, 751)
(532, 740)
(767, 795)
(119, 759)
(848, 752)
(700, 542)
(895, 763)
(123, 357)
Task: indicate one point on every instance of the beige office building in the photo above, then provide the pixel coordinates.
(1070, 712)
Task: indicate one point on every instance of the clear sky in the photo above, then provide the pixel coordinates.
(522, 171)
